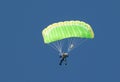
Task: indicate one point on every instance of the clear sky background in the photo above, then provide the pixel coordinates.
(25, 58)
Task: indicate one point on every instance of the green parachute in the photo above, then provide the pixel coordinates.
(57, 32)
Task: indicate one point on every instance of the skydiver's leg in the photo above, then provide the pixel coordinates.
(61, 61)
(65, 60)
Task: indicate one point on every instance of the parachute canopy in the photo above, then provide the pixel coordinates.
(67, 29)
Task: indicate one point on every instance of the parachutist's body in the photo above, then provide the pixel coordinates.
(63, 58)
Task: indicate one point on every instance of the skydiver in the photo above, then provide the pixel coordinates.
(63, 57)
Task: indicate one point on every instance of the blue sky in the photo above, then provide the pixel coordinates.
(25, 58)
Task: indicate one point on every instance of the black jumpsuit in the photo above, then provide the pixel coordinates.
(63, 58)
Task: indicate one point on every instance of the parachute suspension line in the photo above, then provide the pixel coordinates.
(80, 42)
(71, 44)
(75, 42)
(51, 45)
(84, 40)
(62, 42)
(57, 46)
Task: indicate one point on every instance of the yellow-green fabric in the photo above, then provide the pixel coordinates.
(67, 29)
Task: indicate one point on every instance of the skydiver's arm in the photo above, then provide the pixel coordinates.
(61, 61)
